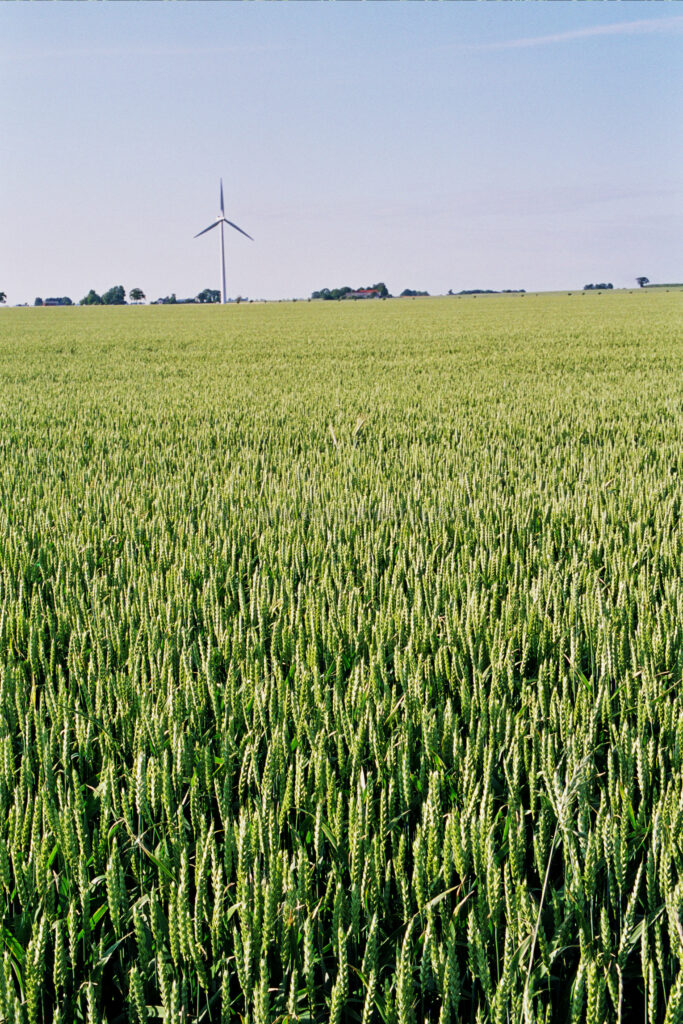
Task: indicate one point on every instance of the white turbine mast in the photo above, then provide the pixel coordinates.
(222, 219)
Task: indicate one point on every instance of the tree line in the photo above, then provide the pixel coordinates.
(116, 296)
(340, 293)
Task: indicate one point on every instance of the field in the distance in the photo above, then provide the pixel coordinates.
(340, 661)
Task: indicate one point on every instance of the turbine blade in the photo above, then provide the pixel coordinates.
(222, 208)
(210, 227)
(236, 228)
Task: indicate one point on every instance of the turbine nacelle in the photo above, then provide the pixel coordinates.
(223, 220)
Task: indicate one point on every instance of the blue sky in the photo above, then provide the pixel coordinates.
(430, 145)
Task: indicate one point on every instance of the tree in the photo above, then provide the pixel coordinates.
(642, 281)
(137, 294)
(3, 297)
(209, 295)
(115, 296)
(91, 299)
(38, 302)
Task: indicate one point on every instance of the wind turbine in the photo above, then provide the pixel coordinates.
(222, 219)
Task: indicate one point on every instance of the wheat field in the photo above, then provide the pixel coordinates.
(340, 662)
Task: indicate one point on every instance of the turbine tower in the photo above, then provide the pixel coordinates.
(222, 219)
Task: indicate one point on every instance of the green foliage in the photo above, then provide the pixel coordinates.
(115, 296)
(332, 293)
(340, 662)
(340, 293)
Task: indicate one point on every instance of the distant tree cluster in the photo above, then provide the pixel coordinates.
(331, 293)
(340, 293)
(477, 291)
(115, 296)
(597, 287)
(63, 301)
(207, 295)
(489, 291)
(411, 293)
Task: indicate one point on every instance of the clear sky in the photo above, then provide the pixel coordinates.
(429, 145)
